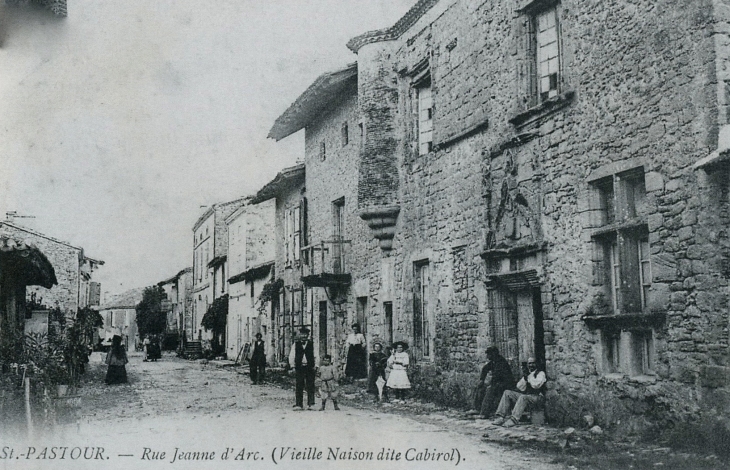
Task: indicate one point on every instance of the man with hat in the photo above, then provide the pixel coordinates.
(530, 394)
(496, 377)
(257, 363)
(302, 358)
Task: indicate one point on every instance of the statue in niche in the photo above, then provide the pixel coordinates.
(515, 221)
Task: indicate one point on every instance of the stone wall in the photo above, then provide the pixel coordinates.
(288, 272)
(638, 90)
(65, 260)
(336, 179)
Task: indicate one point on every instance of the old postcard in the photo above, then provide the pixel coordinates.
(367, 234)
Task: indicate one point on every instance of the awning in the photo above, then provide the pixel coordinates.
(26, 263)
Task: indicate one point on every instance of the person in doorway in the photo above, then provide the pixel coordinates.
(378, 363)
(398, 378)
(530, 394)
(356, 367)
(301, 357)
(257, 364)
(116, 360)
(328, 376)
(496, 377)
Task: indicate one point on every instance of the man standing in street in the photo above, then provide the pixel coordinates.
(257, 363)
(530, 395)
(301, 357)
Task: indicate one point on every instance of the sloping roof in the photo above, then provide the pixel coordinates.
(39, 234)
(256, 272)
(175, 277)
(286, 178)
(27, 263)
(128, 299)
(226, 207)
(327, 89)
(388, 34)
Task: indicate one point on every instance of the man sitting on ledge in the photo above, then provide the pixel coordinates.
(530, 395)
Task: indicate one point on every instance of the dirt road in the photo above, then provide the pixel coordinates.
(191, 415)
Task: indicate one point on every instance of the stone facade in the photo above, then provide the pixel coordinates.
(251, 253)
(210, 244)
(557, 209)
(73, 270)
(287, 312)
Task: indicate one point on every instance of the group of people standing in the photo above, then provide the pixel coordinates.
(498, 396)
(388, 370)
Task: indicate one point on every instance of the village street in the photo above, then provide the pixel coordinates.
(174, 406)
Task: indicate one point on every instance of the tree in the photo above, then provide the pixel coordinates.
(215, 320)
(151, 319)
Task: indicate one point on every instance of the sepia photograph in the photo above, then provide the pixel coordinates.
(365, 234)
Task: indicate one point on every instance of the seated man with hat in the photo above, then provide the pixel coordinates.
(530, 395)
(496, 377)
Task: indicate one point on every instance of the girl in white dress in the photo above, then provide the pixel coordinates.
(398, 378)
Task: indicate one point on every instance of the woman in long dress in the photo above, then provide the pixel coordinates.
(357, 366)
(378, 362)
(116, 360)
(398, 379)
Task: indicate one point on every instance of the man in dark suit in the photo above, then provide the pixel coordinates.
(301, 357)
(257, 363)
(496, 377)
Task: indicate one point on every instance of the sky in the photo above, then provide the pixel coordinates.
(120, 123)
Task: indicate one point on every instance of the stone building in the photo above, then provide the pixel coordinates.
(550, 177)
(251, 257)
(73, 270)
(210, 246)
(287, 301)
(334, 269)
(179, 292)
(120, 318)
(21, 265)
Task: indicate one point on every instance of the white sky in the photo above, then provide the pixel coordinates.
(120, 121)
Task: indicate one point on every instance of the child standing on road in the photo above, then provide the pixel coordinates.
(398, 378)
(328, 376)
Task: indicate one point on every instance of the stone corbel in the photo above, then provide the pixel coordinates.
(382, 220)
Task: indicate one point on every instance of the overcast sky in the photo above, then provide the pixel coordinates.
(121, 121)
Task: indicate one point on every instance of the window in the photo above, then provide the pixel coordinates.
(345, 135)
(223, 278)
(628, 352)
(293, 231)
(611, 342)
(623, 265)
(361, 314)
(422, 314)
(322, 151)
(547, 53)
(388, 310)
(338, 234)
(425, 115)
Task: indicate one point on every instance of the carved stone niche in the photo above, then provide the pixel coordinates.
(514, 215)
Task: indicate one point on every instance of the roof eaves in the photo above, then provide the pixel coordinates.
(283, 179)
(395, 31)
(26, 229)
(326, 89)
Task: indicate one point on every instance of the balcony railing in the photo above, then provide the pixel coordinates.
(325, 263)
